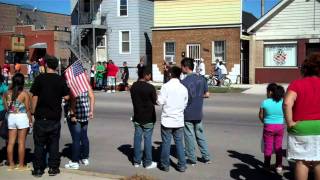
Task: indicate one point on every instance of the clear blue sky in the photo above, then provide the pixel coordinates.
(63, 6)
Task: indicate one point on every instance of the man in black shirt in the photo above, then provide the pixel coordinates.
(48, 90)
(125, 74)
(144, 99)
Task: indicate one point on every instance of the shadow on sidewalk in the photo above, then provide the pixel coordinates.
(127, 150)
(67, 151)
(28, 155)
(251, 168)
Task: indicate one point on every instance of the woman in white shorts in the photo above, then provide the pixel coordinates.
(19, 120)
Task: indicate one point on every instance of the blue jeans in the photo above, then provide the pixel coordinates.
(177, 134)
(140, 131)
(80, 141)
(99, 83)
(194, 132)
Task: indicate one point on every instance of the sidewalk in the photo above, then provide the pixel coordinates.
(65, 174)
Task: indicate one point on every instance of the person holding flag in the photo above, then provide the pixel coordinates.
(81, 110)
(47, 91)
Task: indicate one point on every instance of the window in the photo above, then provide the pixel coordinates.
(280, 55)
(170, 51)
(125, 42)
(122, 7)
(193, 51)
(16, 57)
(218, 51)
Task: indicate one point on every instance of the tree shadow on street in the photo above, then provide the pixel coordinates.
(251, 168)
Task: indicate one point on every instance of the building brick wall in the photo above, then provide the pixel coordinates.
(7, 17)
(204, 37)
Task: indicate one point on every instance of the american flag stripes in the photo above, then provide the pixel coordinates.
(77, 79)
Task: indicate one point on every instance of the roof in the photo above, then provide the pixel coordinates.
(248, 19)
(275, 10)
(30, 7)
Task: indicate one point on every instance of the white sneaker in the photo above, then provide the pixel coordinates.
(279, 170)
(108, 91)
(113, 91)
(72, 165)
(152, 165)
(85, 162)
(136, 165)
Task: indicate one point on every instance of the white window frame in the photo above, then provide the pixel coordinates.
(175, 51)
(120, 41)
(188, 45)
(265, 44)
(214, 54)
(118, 9)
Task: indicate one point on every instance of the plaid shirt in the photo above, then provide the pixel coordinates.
(82, 107)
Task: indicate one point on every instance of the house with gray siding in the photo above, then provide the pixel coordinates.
(113, 29)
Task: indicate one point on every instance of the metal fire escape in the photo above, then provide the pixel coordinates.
(89, 23)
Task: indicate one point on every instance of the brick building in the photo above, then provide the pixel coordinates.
(26, 34)
(210, 30)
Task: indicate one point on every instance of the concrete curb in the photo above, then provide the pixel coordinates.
(90, 173)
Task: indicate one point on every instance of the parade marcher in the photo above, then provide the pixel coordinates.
(166, 68)
(112, 74)
(19, 120)
(140, 66)
(35, 69)
(302, 114)
(271, 115)
(6, 73)
(92, 75)
(144, 99)
(174, 98)
(194, 131)
(81, 110)
(48, 89)
(100, 70)
(125, 74)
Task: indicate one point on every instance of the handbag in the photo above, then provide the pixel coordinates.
(4, 131)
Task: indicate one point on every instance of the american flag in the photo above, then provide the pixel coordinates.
(77, 79)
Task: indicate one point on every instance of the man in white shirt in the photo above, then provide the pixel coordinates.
(174, 98)
(202, 67)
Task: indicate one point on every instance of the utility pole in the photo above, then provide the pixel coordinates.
(262, 8)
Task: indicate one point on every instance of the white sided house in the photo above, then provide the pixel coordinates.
(282, 39)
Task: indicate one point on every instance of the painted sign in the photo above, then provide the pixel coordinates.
(277, 55)
(17, 43)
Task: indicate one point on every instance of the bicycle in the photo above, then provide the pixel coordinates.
(213, 80)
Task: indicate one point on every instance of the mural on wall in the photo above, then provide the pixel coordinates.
(280, 55)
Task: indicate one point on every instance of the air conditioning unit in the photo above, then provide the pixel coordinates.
(169, 58)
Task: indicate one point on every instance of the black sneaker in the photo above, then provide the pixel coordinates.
(182, 169)
(53, 171)
(192, 163)
(162, 168)
(37, 173)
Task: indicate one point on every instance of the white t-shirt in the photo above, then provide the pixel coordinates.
(223, 69)
(202, 69)
(173, 97)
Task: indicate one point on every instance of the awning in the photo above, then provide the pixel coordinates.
(39, 46)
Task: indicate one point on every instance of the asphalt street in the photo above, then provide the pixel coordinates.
(232, 129)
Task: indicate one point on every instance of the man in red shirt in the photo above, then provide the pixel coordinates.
(112, 74)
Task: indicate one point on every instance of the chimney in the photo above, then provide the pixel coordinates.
(262, 8)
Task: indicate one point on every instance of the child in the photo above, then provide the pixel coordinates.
(272, 117)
